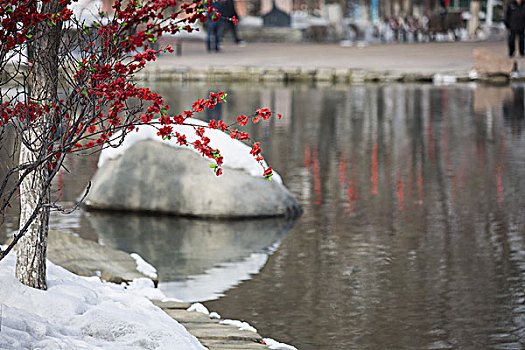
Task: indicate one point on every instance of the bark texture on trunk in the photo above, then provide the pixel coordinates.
(34, 190)
(32, 248)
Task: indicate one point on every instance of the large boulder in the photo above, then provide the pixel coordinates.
(151, 176)
(489, 63)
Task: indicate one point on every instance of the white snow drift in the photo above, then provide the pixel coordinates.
(84, 313)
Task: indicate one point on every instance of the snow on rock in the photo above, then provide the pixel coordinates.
(215, 315)
(198, 307)
(243, 326)
(273, 344)
(144, 267)
(235, 153)
(83, 313)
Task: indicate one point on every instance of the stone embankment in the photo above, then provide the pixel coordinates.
(279, 75)
(325, 64)
(322, 76)
(88, 258)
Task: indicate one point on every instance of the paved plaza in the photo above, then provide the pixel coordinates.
(436, 57)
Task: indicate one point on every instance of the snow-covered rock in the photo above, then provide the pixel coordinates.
(152, 176)
(235, 153)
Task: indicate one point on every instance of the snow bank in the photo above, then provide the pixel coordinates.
(84, 313)
(235, 153)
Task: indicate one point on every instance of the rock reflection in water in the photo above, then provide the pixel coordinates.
(196, 259)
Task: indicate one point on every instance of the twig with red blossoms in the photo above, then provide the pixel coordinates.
(202, 144)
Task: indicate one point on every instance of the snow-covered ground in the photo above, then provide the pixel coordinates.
(84, 313)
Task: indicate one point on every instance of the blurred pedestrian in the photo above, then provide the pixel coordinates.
(515, 23)
(228, 13)
(214, 26)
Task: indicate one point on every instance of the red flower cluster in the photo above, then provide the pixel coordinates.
(104, 94)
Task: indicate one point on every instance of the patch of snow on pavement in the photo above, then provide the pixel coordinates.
(243, 326)
(215, 315)
(198, 307)
(272, 344)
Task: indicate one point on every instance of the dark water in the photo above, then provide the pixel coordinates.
(413, 232)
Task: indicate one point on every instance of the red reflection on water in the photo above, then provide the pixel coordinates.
(373, 169)
(350, 187)
(307, 156)
(499, 183)
(342, 168)
(353, 189)
(400, 189)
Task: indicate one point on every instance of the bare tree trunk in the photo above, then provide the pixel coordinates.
(34, 190)
(32, 248)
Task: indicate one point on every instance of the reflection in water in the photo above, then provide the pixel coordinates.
(413, 232)
(196, 259)
(514, 110)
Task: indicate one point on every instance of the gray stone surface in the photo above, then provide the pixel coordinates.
(180, 305)
(184, 316)
(87, 258)
(154, 177)
(210, 332)
(217, 331)
(232, 345)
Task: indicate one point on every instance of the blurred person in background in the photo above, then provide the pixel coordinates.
(515, 23)
(228, 12)
(214, 23)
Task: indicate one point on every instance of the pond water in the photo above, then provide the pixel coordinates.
(413, 232)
